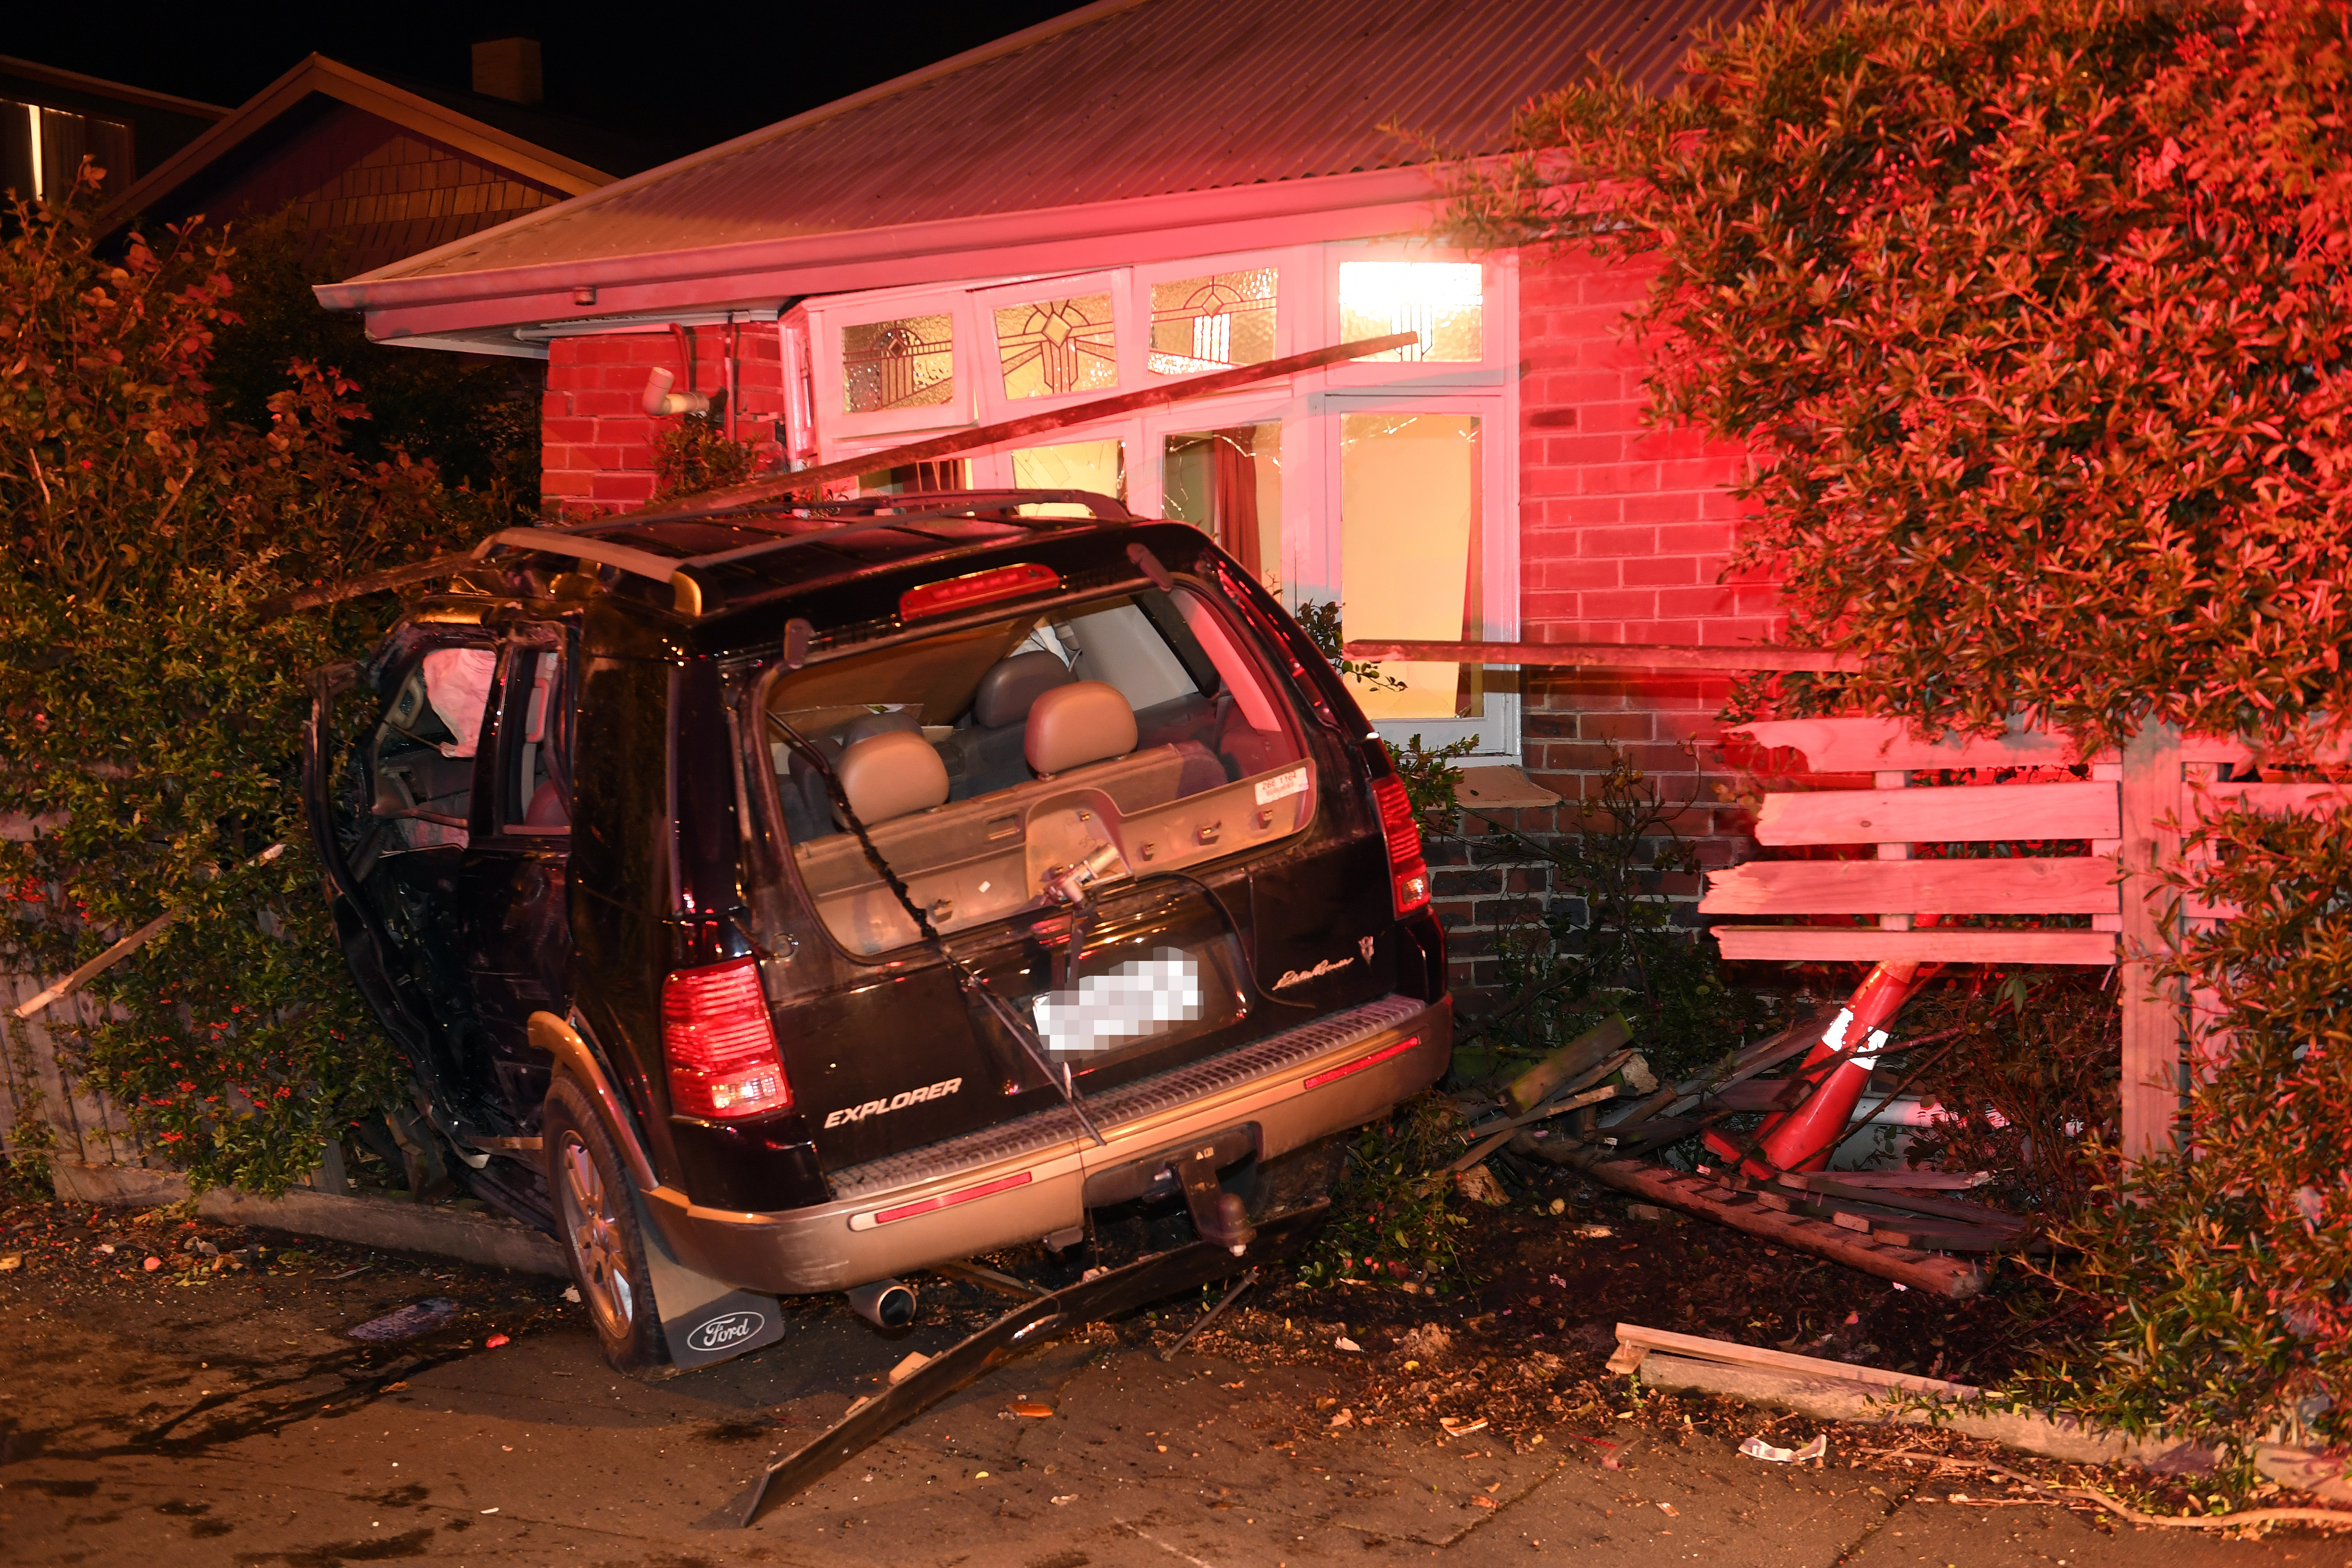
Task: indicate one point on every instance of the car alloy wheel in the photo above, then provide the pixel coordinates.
(590, 1220)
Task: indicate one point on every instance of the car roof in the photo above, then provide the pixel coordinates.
(712, 563)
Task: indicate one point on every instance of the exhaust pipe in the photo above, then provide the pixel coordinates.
(885, 1303)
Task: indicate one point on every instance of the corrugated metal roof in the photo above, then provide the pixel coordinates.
(1125, 99)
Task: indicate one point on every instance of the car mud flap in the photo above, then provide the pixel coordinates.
(704, 1319)
(1030, 1324)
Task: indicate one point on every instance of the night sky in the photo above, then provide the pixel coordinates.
(683, 74)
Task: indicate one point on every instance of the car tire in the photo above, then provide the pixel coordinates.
(597, 1227)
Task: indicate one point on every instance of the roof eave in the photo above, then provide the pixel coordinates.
(316, 73)
(1138, 229)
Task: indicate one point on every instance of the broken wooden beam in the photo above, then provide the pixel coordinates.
(1916, 1269)
(1634, 1343)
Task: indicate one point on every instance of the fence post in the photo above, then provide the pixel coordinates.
(2151, 803)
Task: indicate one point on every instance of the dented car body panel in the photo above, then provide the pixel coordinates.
(1050, 842)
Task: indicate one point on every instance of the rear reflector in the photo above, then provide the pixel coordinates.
(720, 1043)
(949, 1200)
(1330, 1074)
(976, 588)
(1408, 871)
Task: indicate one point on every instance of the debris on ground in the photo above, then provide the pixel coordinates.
(408, 1322)
(1758, 1448)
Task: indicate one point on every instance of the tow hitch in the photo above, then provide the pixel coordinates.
(1106, 1295)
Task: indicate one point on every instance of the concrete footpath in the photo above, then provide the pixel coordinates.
(230, 1420)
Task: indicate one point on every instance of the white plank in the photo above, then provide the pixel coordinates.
(1872, 745)
(1935, 944)
(1962, 813)
(2277, 798)
(2071, 885)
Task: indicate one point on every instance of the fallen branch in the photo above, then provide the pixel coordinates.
(2338, 1518)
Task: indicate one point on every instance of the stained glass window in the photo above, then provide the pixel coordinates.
(1057, 346)
(1211, 324)
(905, 363)
(1442, 300)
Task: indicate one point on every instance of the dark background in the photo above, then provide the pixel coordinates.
(680, 76)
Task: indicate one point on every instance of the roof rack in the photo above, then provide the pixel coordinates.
(908, 513)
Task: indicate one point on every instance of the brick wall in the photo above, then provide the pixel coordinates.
(1623, 533)
(598, 441)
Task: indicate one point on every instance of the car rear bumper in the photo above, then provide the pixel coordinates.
(1028, 1178)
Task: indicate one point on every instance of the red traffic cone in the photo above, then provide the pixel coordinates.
(1802, 1139)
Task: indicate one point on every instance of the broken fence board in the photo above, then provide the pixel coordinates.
(1708, 1200)
(1933, 944)
(2070, 885)
(1636, 1337)
(2085, 808)
(1837, 1398)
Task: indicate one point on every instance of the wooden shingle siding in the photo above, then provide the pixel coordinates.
(371, 193)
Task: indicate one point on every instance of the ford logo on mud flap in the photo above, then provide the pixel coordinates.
(732, 1328)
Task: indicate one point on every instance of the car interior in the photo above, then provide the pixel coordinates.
(986, 757)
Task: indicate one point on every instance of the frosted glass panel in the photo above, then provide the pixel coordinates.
(1409, 543)
(1444, 301)
(1097, 465)
(905, 363)
(1228, 484)
(1213, 322)
(1057, 346)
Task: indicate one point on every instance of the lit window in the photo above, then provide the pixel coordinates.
(1228, 484)
(1097, 465)
(1212, 323)
(906, 363)
(1442, 300)
(1409, 549)
(1057, 346)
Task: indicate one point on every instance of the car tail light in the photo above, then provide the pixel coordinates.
(976, 588)
(720, 1044)
(1408, 871)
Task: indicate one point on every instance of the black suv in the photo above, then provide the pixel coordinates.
(780, 900)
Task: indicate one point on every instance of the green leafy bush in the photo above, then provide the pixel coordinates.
(2036, 317)
(150, 723)
(2221, 1267)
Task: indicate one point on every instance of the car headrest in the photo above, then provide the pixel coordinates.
(1070, 726)
(870, 724)
(891, 775)
(1012, 684)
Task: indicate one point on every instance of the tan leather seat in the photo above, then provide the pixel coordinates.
(891, 775)
(1070, 726)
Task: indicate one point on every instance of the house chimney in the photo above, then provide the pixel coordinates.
(508, 68)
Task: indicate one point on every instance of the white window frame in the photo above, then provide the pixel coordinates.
(1307, 407)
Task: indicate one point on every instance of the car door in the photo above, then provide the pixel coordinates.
(392, 825)
(512, 887)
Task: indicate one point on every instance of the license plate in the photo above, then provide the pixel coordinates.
(1135, 1001)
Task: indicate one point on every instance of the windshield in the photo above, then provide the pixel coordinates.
(1129, 735)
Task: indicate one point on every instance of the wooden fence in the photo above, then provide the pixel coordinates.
(2131, 810)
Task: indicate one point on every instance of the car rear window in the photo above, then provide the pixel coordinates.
(1138, 730)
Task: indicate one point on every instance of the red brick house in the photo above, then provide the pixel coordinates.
(1151, 188)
